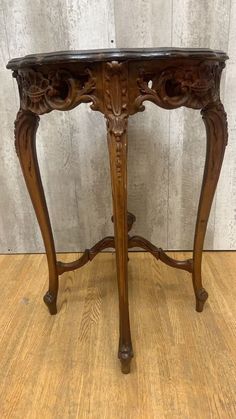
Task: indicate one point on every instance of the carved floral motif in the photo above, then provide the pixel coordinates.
(59, 90)
(187, 85)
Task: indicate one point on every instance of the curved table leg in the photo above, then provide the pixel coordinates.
(26, 125)
(215, 121)
(118, 164)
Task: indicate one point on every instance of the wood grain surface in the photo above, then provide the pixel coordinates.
(79, 188)
(65, 366)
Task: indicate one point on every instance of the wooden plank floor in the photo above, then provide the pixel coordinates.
(66, 366)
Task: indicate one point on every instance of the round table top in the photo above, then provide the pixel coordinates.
(114, 54)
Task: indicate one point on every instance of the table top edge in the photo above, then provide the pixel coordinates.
(115, 54)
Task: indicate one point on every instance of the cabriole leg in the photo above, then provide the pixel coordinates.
(215, 121)
(119, 193)
(26, 125)
(116, 113)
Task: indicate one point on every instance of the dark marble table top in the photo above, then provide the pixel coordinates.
(122, 54)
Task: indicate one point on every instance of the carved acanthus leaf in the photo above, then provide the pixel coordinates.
(116, 106)
(26, 125)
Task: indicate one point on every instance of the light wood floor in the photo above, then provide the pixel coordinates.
(66, 366)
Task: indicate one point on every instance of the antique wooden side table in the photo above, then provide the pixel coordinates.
(117, 82)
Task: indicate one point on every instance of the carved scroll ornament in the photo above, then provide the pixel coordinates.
(40, 93)
(193, 86)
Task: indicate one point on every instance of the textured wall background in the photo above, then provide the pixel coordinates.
(166, 148)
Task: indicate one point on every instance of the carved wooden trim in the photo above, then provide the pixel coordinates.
(116, 97)
(58, 89)
(170, 87)
(116, 106)
(193, 86)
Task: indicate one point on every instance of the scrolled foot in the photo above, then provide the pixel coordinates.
(125, 355)
(201, 297)
(50, 300)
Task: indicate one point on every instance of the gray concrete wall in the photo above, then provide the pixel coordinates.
(166, 148)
